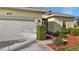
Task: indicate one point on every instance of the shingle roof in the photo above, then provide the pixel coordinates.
(51, 14)
(36, 9)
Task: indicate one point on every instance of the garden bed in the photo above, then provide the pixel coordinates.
(72, 42)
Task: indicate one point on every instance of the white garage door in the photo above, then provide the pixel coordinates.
(13, 30)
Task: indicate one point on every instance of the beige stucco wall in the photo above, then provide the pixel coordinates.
(19, 13)
(56, 23)
(69, 23)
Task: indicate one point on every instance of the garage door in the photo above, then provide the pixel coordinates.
(17, 29)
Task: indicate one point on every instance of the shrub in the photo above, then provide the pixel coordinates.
(74, 31)
(41, 32)
(59, 41)
(69, 29)
(65, 36)
(61, 32)
(58, 33)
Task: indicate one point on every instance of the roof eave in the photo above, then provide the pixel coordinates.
(62, 16)
(29, 9)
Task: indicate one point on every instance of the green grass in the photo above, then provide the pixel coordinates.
(72, 48)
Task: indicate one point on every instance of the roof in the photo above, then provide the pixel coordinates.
(36, 9)
(51, 14)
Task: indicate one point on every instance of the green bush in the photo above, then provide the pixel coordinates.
(65, 36)
(41, 32)
(61, 32)
(74, 31)
(59, 42)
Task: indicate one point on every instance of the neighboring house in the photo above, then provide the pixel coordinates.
(19, 22)
(58, 20)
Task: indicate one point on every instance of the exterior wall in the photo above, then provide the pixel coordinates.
(19, 13)
(56, 23)
(51, 24)
(70, 23)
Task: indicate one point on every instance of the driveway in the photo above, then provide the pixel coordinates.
(22, 45)
(18, 36)
(26, 42)
(33, 46)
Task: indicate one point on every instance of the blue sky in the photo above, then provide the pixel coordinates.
(69, 10)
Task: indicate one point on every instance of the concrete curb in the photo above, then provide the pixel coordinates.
(17, 46)
(45, 46)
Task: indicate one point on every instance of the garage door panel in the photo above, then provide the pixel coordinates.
(5, 37)
(12, 30)
(26, 26)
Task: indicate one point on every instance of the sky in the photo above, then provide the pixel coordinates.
(68, 10)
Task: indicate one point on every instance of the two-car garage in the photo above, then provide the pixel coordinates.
(13, 29)
(18, 26)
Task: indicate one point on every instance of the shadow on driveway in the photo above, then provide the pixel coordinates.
(10, 42)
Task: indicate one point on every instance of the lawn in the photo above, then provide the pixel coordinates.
(72, 48)
(72, 45)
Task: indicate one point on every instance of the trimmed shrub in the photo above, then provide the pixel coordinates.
(41, 32)
(59, 41)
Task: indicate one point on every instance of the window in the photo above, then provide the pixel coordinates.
(9, 13)
(45, 23)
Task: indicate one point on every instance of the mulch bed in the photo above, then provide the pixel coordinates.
(72, 40)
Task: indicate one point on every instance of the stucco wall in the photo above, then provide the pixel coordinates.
(69, 23)
(19, 13)
(56, 23)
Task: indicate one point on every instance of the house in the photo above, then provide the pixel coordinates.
(19, 22)
(58, 20)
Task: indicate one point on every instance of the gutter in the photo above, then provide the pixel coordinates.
(29, 9)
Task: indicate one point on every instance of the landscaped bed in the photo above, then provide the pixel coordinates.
(73, 44)
(66, 40)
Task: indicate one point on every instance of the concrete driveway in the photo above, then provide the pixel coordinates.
(25, 43)
(22, 45)
(18, 36)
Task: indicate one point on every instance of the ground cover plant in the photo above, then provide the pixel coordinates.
(72, 41)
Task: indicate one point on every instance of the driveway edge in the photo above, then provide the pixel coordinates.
(17, 46)
(44, 45)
